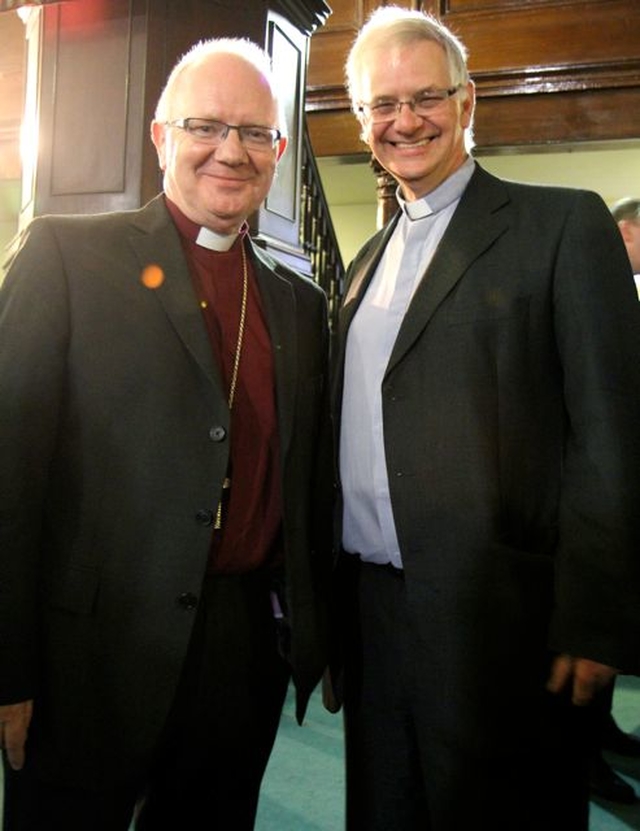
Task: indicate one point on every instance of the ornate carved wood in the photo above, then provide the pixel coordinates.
(317, 234)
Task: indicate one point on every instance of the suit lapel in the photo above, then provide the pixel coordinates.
(279, 305)
(159, 243)
(155, 239)
(360, 277)
(465, 239)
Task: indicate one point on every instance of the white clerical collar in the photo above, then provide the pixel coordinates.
(215, 241)
(447, 192)
(415, 210)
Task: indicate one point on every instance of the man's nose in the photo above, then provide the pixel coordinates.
(231, 146)
(406, 117)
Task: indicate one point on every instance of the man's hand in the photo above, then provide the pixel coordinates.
(586, 677)
(14, 726)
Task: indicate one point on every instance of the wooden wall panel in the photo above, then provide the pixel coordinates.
(564, 117)
(575, 37)
(335, 134)
(89, 132)
(452, 6)
(85, 104)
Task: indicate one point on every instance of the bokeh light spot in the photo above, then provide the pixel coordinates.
(152, 276)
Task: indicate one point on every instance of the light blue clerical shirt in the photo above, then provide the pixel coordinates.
(368, 524)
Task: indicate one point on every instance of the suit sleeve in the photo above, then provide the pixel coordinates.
(597, 326)
(33, 337)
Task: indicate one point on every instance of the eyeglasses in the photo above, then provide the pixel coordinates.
(422, 104)
(210, 131)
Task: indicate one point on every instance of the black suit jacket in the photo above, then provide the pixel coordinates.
(511, 407)
(111, 459)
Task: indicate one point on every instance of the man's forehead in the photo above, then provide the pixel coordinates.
(414, 66)
(224, 79)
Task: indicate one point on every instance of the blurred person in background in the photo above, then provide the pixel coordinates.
(605, 782)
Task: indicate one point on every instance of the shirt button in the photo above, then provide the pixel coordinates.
(204, 517)
(217, 433)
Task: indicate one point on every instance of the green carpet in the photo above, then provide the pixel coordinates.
(303, 789)
(606, 816)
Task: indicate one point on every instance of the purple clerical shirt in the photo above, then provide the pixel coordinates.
(252, 514)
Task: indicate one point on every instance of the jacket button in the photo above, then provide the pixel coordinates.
(204, 517)
(187, 601)
(217, 433)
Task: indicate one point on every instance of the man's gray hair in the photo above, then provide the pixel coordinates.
(627, 208)
(392, 25)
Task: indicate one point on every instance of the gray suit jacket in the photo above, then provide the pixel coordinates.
(511, 408)
(110, 463)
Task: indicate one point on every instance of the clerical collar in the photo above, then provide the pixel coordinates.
(449, 191)
(204, 237)
(215, 241)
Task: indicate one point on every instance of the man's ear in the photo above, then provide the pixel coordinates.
(282, 144)
(159, 142)
(468, 105)
(625, 229)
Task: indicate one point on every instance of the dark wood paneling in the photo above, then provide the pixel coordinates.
(577, 37)
(89, 132)
(88, 108)
(335, 134)
(453, 6)
(564, 117)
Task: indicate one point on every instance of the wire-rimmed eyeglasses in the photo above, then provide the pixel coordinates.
(210, 131)
(422, 104)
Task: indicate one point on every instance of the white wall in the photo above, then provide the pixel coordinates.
(612, 170)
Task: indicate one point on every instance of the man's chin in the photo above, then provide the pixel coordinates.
(225, 219)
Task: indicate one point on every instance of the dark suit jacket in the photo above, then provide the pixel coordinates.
(110, 464)
(511, 408)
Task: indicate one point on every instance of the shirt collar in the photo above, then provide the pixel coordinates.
(204, 237)
(444, 195)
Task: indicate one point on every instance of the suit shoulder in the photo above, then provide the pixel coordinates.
(536, 192)
(298, 281)
(101, 222)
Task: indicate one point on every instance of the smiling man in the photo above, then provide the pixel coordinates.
(165, 483)
(218, 190)
(488, 397)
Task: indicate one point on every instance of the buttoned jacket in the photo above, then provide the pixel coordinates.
(114, 433)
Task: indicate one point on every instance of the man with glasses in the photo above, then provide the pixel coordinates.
(165, 483)
(488, 398)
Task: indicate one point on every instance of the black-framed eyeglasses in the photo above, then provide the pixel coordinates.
(422, 104)
(210, 131)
